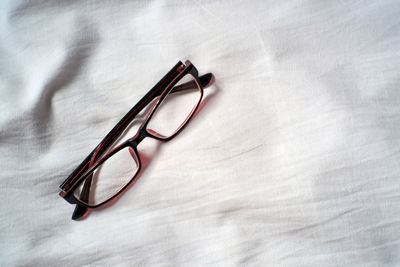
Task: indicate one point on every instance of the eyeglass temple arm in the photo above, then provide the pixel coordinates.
(121, 125)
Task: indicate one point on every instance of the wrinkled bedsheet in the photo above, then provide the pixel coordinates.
(293, 159)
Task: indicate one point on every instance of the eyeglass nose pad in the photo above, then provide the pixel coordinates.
(135, 156)
(132, 152)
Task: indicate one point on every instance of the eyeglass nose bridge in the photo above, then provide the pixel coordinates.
(139, 136)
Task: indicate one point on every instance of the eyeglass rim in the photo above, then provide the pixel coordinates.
(188, 69)
(162, 97)
(98, 164)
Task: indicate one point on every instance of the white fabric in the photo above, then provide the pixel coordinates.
(292, 161)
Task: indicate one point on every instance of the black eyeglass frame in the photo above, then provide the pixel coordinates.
(94, 159)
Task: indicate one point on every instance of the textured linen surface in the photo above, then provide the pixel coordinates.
(293, 159)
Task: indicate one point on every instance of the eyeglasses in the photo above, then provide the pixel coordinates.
(106, 172)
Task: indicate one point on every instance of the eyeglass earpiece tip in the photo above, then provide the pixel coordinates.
(80, 212)
(207, 79)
